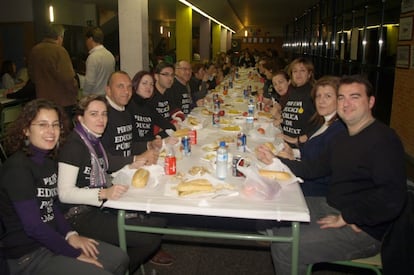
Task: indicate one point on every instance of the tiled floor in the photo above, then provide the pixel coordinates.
(197, 256)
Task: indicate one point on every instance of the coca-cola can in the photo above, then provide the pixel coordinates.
(237, 160)
(193, 136)
(170, 165)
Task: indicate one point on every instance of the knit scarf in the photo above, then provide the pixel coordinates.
(97, 176)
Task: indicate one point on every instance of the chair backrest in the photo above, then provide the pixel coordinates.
(8, 115)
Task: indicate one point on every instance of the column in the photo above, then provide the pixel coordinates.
(184, 23)
(223, 40)
(133, 35)
(205, 38)
(216, 31)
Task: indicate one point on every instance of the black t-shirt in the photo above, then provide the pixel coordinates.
(179, 97)
(161, 104)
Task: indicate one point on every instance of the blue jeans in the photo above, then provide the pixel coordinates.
(321, 245)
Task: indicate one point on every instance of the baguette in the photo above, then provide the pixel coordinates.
(140, 178)
(194, 186)
(271, 147)
(276, 175)
(181, 132)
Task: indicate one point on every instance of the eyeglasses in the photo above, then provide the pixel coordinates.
(46, 126)
(167, 74)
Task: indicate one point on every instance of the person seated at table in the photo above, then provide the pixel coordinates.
(211, 71)
(198, 82)
(147, 119)
(367, 190)
(119, 139)
(299, 106)
(179, 94)
(8, 76)
(37, 239)
(324, 96)
(84, 186)
(269, 93)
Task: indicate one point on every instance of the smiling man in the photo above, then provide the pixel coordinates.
(367, 190)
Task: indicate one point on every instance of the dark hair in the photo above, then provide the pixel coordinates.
(137, 79)
(85, 101)
(283, 73)
(96, 33)
(15, 136)
(332, 81)
(114, 73)
(360, 79)
(195, 67)
(162, 65)
(53, 31)
(7, 68)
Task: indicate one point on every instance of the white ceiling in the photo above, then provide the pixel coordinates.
(266, 15)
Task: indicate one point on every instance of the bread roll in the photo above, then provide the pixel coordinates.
(181, 132)
(194, 186)
(271, 147)
(140, 178)
(276, 175)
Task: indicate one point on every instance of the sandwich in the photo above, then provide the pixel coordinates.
(275, 175)
(140, 178)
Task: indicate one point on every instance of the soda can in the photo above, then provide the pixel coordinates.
(186, 146)
(170, 165)
(237, 160)
(230, 84)
(193, 136)
(241, 142)
(216, 119)
(245, 93)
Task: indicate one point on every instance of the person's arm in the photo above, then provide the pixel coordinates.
(163, 123)
(69, 192)
(90, 75)
(29, 214)
(64, 71)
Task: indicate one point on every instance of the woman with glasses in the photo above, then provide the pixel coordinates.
(38, 239)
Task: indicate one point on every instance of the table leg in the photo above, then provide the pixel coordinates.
(295, 247)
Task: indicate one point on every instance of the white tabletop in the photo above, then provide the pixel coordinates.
(288, 205)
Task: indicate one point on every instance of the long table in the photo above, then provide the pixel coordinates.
(288, 205)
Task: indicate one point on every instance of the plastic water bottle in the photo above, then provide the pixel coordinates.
(221, 161)
(250, 115)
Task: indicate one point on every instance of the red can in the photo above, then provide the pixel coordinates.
(170, 165)
(193, 136)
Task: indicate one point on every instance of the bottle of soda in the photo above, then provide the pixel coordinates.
(170, 162)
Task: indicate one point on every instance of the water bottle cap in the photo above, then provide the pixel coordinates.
(222, 144)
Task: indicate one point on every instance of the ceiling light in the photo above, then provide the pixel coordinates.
(51, 14)
(188, 4)
(245, 33)
(161, 29)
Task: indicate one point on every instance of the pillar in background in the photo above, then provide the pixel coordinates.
(205, 38)
(216, 38)
(229, 37)
(223, 40)
(183, 30)
(133, 35)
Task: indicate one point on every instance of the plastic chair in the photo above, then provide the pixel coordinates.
(372, 263)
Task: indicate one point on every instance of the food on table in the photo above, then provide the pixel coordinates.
(221, 113)
(206, 112)
(275, 175)
(233, 112)
(181, 132)
(227, 139)
(245, 113)
(231, 128)
(198, 170)
(194, 186)
(192, 120)
(261, 130)
(210, 156)
(140, 178)
(162, 154)
(224, 121)
(264, 114)
(210, 147)
(271, 147)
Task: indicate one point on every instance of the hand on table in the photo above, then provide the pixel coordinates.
(114, 192)
(336, 221)
(286, 152)
(87, 245)
(264, 154)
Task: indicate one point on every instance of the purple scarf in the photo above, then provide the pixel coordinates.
(97, 176)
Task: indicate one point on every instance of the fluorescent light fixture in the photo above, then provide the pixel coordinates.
(245, 33)
(169, 34)
(161, 29)
(51, 14)
(188, 4)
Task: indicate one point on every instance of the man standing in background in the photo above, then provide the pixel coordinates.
(99, 64)
(51, 71)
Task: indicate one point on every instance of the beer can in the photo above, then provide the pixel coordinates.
(186, 146)
(241, 142)
(237, 160)
(193, 136)
(170, 165)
